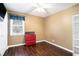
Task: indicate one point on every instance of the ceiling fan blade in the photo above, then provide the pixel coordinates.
(31, 9)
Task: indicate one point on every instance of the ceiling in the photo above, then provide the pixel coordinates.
(38, 9)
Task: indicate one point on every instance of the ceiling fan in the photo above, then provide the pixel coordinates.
(41, 8)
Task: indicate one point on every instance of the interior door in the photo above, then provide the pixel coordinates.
(76, 34)
(4, 34)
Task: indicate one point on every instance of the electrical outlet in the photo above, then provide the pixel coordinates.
(53, 40)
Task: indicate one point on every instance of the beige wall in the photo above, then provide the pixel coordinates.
(58, 27)
(32, 24)
(35, 24)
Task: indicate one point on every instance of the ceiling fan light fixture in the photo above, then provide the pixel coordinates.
(39, 10)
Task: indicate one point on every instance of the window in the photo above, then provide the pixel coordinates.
(16, 25)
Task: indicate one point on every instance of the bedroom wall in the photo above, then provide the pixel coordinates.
(32, 24)
(35, 24)
(58, 27)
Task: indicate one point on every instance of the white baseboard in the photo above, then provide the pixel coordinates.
(59, 46)
(23, 44)
(40, 41)
(43, 41)
(16, 45)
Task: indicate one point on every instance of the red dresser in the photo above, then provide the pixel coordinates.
(30, 38)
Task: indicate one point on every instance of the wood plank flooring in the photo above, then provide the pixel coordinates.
(40, 49)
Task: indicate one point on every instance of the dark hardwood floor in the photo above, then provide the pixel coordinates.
(40, 49)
